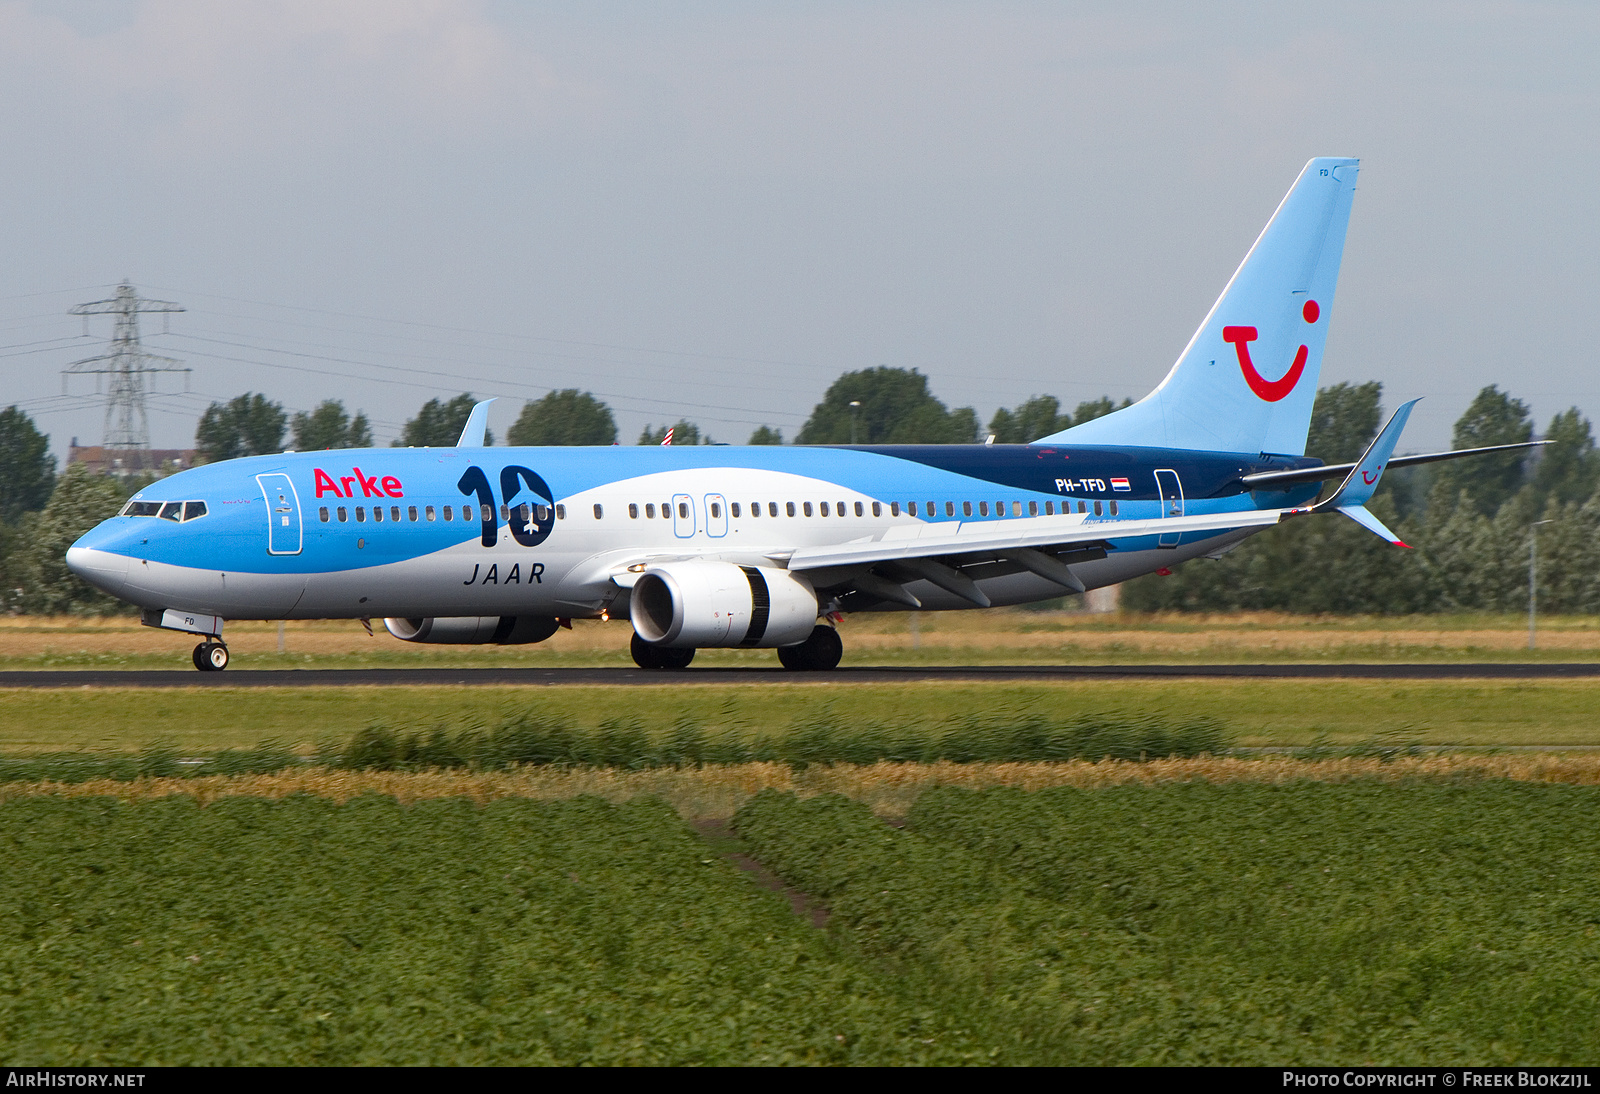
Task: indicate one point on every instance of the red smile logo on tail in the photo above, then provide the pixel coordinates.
(1269, 390)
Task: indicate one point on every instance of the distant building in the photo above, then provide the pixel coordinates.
(101, 460)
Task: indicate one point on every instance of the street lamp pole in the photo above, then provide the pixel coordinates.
(1533, 576)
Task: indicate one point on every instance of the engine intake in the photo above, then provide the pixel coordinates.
(719, 604)
(474, 630)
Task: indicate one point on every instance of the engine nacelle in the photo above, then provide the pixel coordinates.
(703, 604)
(474, 630)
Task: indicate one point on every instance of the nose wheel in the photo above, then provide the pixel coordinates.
(211, 657)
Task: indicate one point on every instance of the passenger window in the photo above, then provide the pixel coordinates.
(1033, 508)
(411, 514)
(173, 510)
(824, 509)
(194, 510)
(649, 510)
(841, 510)
(344, 514)
(561, 512)
(983, 509)
(505, 513)
(1016, 508)
(377, 514)
(1082, 507)
(1050, 509)
(735, 507)
(1113, 506)
(1097, 507)
(949, 508)
(449, 513)
(911, 509)
(361, 514)
(772, 508)
(966, 508)
(789, 507)
(755, 509)
(323, 513)
(542, 512)
(394, 513)
(598, 512)
(894, 509)
(807, 507)
(683, 510)
(428, 512)
(633, 511)
(716, 511)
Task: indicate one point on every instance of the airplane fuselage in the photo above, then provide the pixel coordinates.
(423, 532)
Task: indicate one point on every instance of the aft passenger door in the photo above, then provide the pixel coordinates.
(283, 514)
(1170, 487)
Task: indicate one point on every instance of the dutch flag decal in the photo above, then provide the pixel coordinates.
(1120, 484)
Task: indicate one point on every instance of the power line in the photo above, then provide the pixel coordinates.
(127, 364)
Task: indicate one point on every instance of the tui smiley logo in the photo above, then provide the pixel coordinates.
(1269, 390)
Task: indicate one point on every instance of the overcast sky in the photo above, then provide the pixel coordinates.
(711, 210)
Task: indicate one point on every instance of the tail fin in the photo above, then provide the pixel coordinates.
(1271, 321)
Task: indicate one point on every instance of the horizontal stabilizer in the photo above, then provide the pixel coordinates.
(1270, 480)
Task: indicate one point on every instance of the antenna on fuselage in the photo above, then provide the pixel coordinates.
(476, 430)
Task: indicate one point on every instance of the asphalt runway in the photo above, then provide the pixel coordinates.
(623, 677)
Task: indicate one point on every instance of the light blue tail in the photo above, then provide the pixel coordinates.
(1247, 380)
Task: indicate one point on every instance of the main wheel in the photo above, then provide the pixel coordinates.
(210, 657)
(647, 656)
(818, 653)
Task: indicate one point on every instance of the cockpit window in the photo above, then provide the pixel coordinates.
(166, 510)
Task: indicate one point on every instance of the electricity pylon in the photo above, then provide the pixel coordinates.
(127, 364)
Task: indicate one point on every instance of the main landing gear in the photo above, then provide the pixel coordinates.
(211, 657)
(647, 656)
(819, 653)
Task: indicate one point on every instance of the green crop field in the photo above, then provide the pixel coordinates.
(1555, 713)
(304, 932)
(1420, 923)
(1429, 920)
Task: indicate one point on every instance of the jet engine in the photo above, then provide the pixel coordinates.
(704, 604)
(474, 630)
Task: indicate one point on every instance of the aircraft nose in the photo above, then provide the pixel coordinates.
(102, 569)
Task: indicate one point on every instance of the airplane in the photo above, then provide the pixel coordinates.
(771, 547)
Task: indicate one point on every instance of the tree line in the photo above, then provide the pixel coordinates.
(1470, 521)
(872, 406)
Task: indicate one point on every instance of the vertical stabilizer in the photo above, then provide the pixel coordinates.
(1247, 380)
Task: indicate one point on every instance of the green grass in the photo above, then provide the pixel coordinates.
(1416, 924)
(1556, 713)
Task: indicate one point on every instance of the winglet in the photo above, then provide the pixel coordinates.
(1363, 516)
(476, 430)
(1362, 482)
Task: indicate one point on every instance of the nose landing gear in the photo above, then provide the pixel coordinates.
(211, 657)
